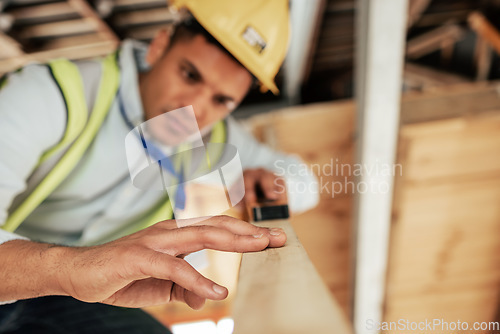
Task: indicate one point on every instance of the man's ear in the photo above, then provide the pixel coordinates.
(158, 46)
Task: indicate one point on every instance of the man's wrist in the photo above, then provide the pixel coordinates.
(33, 269)
(55, 260)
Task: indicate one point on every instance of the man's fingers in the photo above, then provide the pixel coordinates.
(190, 298)
(166, 267)
(194, 238)
(231, 224)
(275, 237)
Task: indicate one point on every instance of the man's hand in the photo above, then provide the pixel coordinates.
(147, 267)
(272, 186)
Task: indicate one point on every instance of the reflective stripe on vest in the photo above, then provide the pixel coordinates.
(79, 132)
(3, 81)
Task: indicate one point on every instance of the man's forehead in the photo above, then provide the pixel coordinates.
(215, 66)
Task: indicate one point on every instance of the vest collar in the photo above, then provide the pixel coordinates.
(131, 60)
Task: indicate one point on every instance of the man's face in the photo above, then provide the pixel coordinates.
(192, 72)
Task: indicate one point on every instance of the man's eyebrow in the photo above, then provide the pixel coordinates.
(197, 73)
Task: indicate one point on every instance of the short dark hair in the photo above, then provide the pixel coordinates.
(189, 28)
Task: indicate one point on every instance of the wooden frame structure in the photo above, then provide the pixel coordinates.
(94, 37)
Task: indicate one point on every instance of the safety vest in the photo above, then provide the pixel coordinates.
(81, 130)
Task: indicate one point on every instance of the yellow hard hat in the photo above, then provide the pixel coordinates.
(256, 32)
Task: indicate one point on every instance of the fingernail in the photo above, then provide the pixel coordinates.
(218, 289)
(275, 231)
(257, 236)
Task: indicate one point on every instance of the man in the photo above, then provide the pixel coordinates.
(97, 202)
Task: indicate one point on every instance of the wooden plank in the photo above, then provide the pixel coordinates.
(437, 18)
(74, 52)
(147, 16)
(434, 40)
(422, 77)
(68, 42)
(444, 246)
(444, 238)
(467, 147)
(450, 101)
(61, 28)
(279, 291)
(26, 2)
(41, 11)
(328, 244)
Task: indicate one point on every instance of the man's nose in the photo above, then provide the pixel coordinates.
(201, 102)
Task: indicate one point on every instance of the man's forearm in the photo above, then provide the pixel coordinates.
(29, 269)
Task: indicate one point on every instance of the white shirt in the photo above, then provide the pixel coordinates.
(97, 198)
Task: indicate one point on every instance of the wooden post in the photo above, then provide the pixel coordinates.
(381, 30)
(280, 291)
(306, 18)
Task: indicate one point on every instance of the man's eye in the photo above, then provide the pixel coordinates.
(188, 75)
(220, 100)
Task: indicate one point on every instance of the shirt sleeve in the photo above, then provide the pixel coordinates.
(32, 120)
(302, 188)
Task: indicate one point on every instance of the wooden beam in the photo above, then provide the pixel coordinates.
(280, 291)
(26, 2)
(72, 41)
(436, 19)
(423, 78)
(450, 101)
(147, 16)
(62, 28)
(42, 11)
(74, 52)
(415, 11)
(86, 11)
(434, 40)
(381, 32)
(485, 29)
(9, 47)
